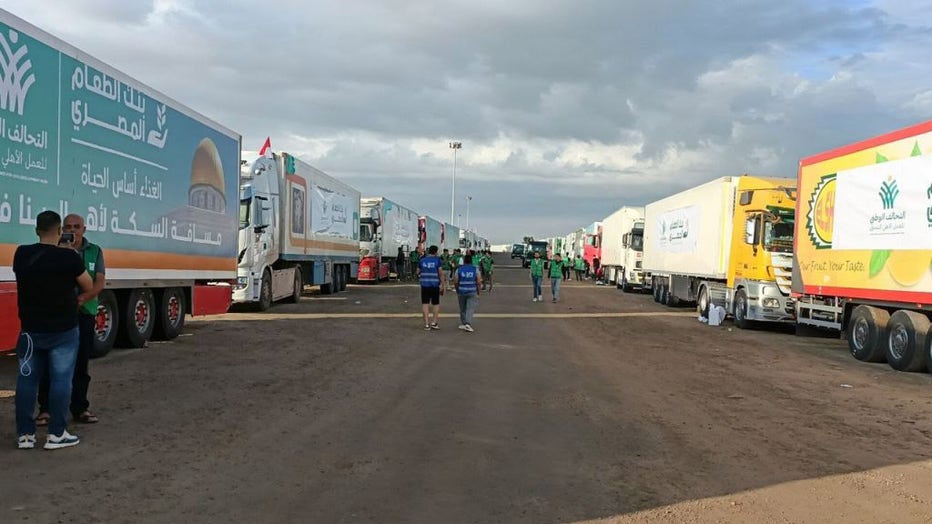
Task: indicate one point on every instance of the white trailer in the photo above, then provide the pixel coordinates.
(384, 228)
(298, 226)
(623, 248)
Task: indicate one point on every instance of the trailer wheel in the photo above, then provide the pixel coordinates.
(906, 341)
(741, 310)
(106, 324)
(298, 287)
(623, 284)
(171, 312)
(928, 350)
(265, 292)
(702, 305)
(138, 319)
(867, 333)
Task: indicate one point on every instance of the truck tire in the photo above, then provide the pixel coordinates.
(625, 288)
(702, 304)
(906, 341)
(138, 318)
(741, 310)
(171, 313)
(867, 333)
(298, 287)
(106, 324)
(265, 292)
(928, 350)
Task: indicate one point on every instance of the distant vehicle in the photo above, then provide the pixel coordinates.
(517, 251)
(622, 249)
(537, 246)
(384, 227)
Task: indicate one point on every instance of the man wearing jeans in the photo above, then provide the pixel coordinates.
(46, 277)
(537, 276)
(467, 282)
(556, 276)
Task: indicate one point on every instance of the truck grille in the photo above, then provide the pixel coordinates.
(783, 271)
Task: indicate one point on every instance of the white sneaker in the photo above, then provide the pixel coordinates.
(26, 441)
(534, 299)
(65, 440)
(468, 328)
(462, 326)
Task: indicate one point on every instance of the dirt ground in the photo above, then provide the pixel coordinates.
(603, 407)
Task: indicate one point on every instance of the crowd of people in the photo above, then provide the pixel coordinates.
(466, 273)
(58, 280)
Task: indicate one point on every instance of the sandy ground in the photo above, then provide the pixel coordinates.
(603, 407)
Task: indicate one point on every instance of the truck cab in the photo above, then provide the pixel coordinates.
(537, 246)
(517, 251)
(632, 276)
(258, 231)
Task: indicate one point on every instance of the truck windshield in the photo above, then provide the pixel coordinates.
(365, 232)
(778, 232)
(244, 206)
(637, 242)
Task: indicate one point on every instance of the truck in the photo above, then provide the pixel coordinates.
(726, 243)
(451, 238)
(298, 226)
(152, 178)
(431, 232)
(536, 246)
(623, 249)
(592, 245)
(517, 251)
(863, 254)
(384, 228)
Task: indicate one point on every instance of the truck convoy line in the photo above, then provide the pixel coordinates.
(846, 246)
(157, 184)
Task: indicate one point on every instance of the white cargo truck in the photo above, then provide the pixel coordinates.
(384, 228)
(623, 249)
(298, 226)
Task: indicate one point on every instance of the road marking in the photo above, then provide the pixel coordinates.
(321, 316)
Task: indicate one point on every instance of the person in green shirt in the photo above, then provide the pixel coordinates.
(580, 268)
(556, 276)
(537, 276)
(486, 266)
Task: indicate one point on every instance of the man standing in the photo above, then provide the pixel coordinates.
(556, 276)
(537, 276)
(487, 266)
(566, 267)
(467, 282)
(580, 268)
(46, 276)
(93, 258)
(430, 272)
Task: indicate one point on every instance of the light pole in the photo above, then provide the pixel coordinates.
(468, 199)
(454, 146)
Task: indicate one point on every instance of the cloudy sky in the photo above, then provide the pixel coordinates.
(567, 110)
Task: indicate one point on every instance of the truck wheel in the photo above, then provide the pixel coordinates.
(625, 288)
(867, 333)
(298, 287)
(171, 312)
(265, 292)
(906, 342)
(138, 319)
(106, 324)
(928, 350)
(741, 310)
(702, 305)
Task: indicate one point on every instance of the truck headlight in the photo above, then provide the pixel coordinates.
(242, 282)
(771, 303)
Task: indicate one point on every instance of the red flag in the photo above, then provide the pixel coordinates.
(266, 150)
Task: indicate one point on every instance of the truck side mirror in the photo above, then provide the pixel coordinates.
(751, 235)
(624, 240)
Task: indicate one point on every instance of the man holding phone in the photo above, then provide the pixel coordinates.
(93, 257)
(46, 277)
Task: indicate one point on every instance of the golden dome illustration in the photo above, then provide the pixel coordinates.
(206, 169)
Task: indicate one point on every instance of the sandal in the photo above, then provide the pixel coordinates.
(87, 418)
(43, 419)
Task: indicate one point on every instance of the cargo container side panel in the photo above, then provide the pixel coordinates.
(399, 229)
(689, 233)
(323, 213)
(451, 239)
(864, 221)
(614, 227)
(157, 187)
(434, 233)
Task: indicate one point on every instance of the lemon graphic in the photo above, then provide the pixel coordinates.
(908, 267)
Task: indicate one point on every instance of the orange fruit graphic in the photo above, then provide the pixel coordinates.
(908, 267)
(824, 212)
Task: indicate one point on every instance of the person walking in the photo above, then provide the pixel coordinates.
(486, 266)
(556, 276)
(414, 258)
(537, 276)
(566, 267)
(93, 258)
(467, 281)
(46, 277)
(430, 273)
(580, 267)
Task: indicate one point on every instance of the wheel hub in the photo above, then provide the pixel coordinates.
(174, 308)
(899, 340)
(860, 333)
(142, 314)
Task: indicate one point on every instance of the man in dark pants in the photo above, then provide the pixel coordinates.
(46, 278)
(93, 257)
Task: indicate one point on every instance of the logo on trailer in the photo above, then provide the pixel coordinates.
(888, 193)
(15, 75)
(820, 221)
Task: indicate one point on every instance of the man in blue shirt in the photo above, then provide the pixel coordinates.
(467, 282)
(430, 273)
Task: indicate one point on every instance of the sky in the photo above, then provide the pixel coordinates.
(567, 110)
